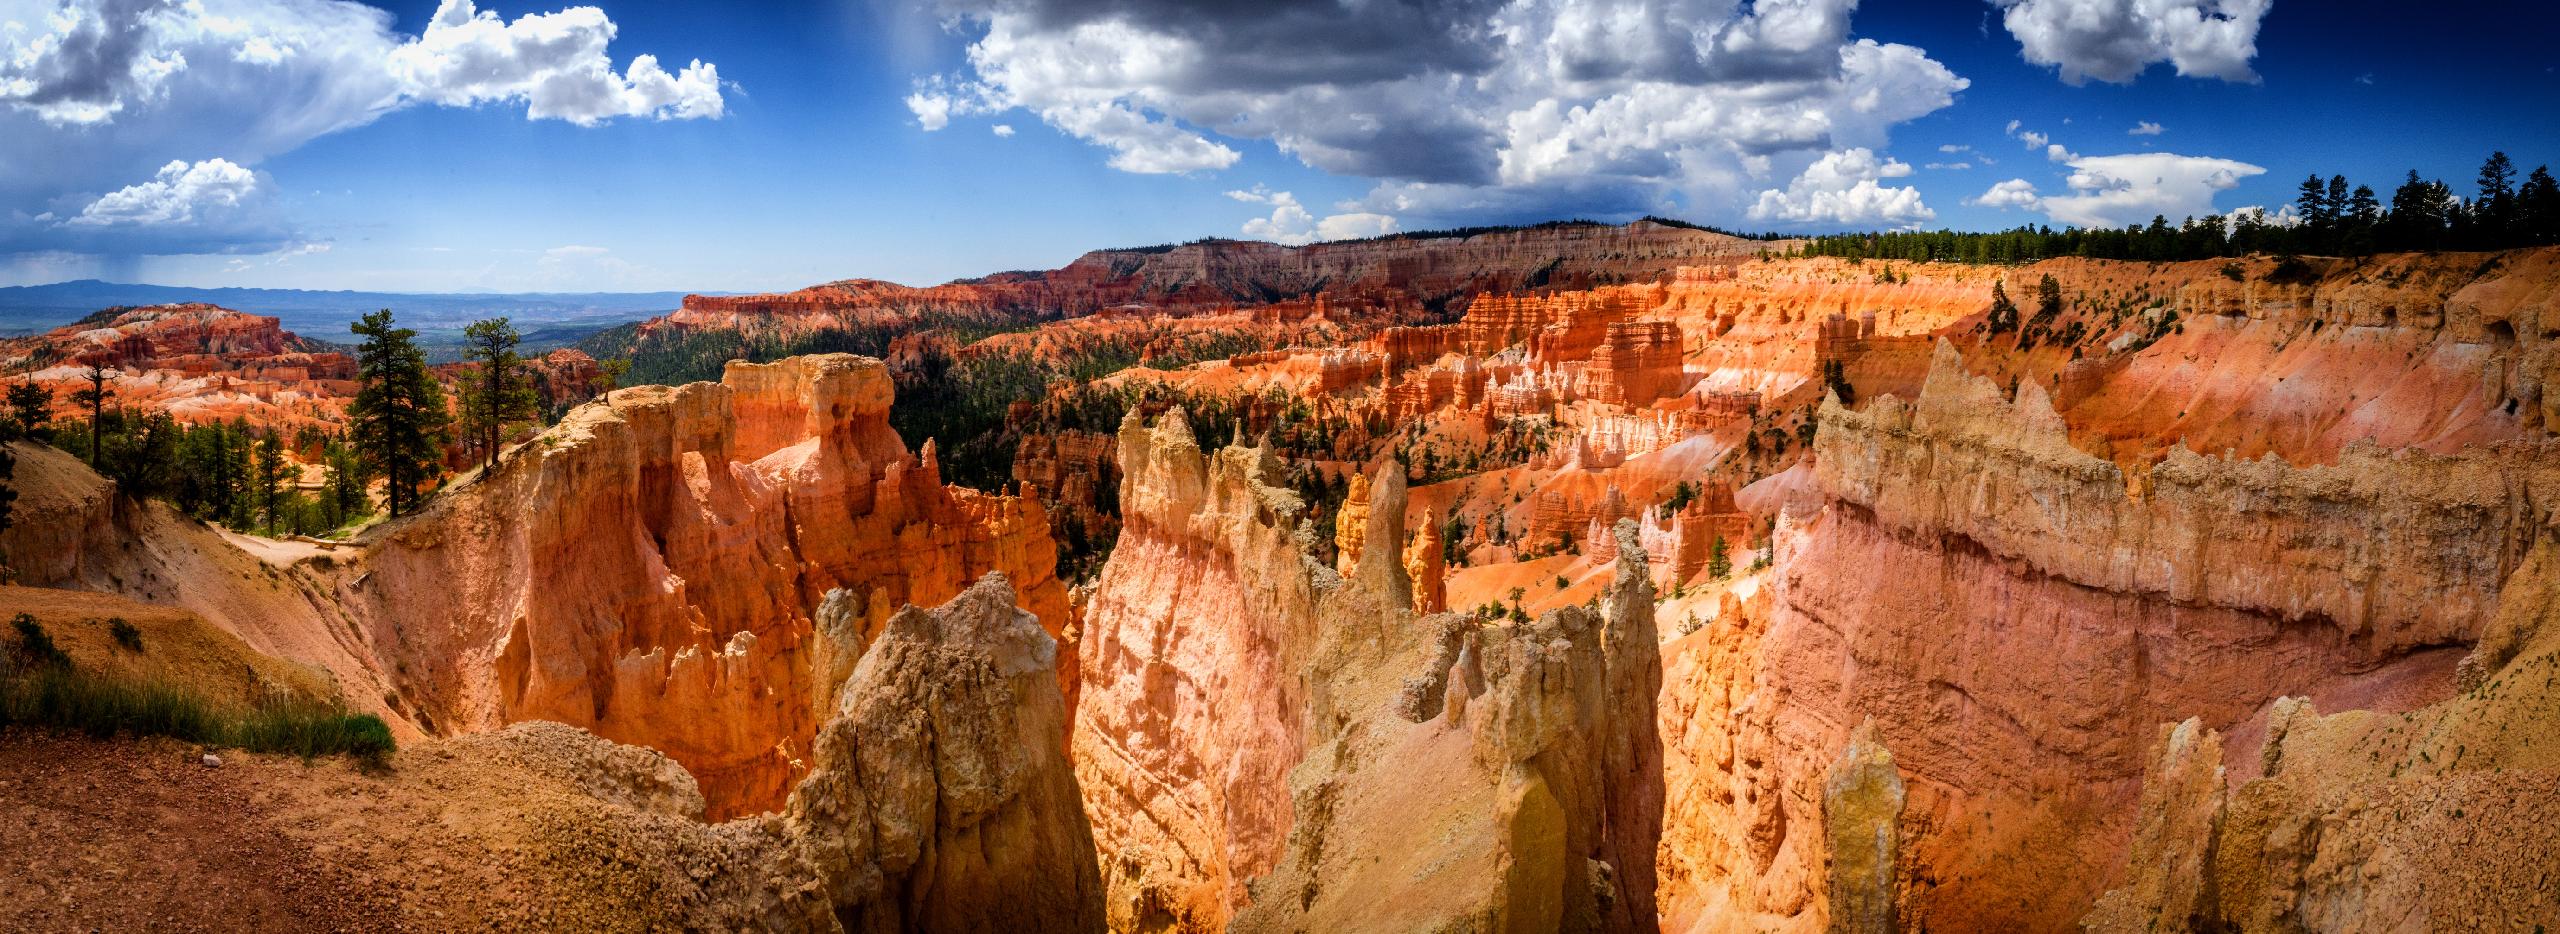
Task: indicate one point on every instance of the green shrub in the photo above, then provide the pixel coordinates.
(63, 697)
(35, 646)
(124, 633)
(309, 730)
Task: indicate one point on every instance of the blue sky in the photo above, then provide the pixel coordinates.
(264, 142)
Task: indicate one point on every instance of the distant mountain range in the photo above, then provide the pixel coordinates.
(548, 319)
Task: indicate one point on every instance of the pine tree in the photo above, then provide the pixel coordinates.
(499, 397)
(95, 399)
(238, 468)
(31, 409)
(2538, 208)
(345, 486)
(2494, 211)
(1719, 562)
(273, 473)
(2313, 203)
(2004, 314)
(610, 373)
(2363, 213)
(2048, 299)
(199, 454)
(2416, 221)
(141, 456)
(2326, 228)
(398, 415)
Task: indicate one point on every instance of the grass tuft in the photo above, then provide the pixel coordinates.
(60, 696)
(65, 698)
(309, 730)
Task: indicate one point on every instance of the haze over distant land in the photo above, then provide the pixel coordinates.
(546, 318)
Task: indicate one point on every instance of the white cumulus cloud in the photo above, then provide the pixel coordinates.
(553, 62)
(2114, 40)
(1842, 188)
(932, 109)
(176, 195)
(1291, 223)
(1354, 225)
(2116, 191)
(2014, 193)
(2145, 128)
(2283, 216)
(97, 93)
(209, 206)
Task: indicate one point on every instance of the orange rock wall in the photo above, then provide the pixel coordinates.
(2067, 612)
(650, 569)
(1191, 717)
(2433, 352)
(1638, 362)
(199, 363)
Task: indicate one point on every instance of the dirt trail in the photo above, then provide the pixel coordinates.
(134, 836)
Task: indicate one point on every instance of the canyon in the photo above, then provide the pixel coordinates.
(694, 569)
(202, 364)
(1573, 577)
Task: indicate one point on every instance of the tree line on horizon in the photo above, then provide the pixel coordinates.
(2331, 218)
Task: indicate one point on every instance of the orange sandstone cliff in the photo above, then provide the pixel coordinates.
(1253, 723)
(199, 363)
(692, 569)
(688, 568)
(937, 794)
(2211, 589)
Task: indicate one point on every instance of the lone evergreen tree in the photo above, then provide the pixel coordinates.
(499, 397)
(30, 409)
(398, 416)
(237, 469)
(2363, 215)
(95, 398)
(141, 456)
(1719, 562)
(273, 473)
(2494, 212)
(2004, 313)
